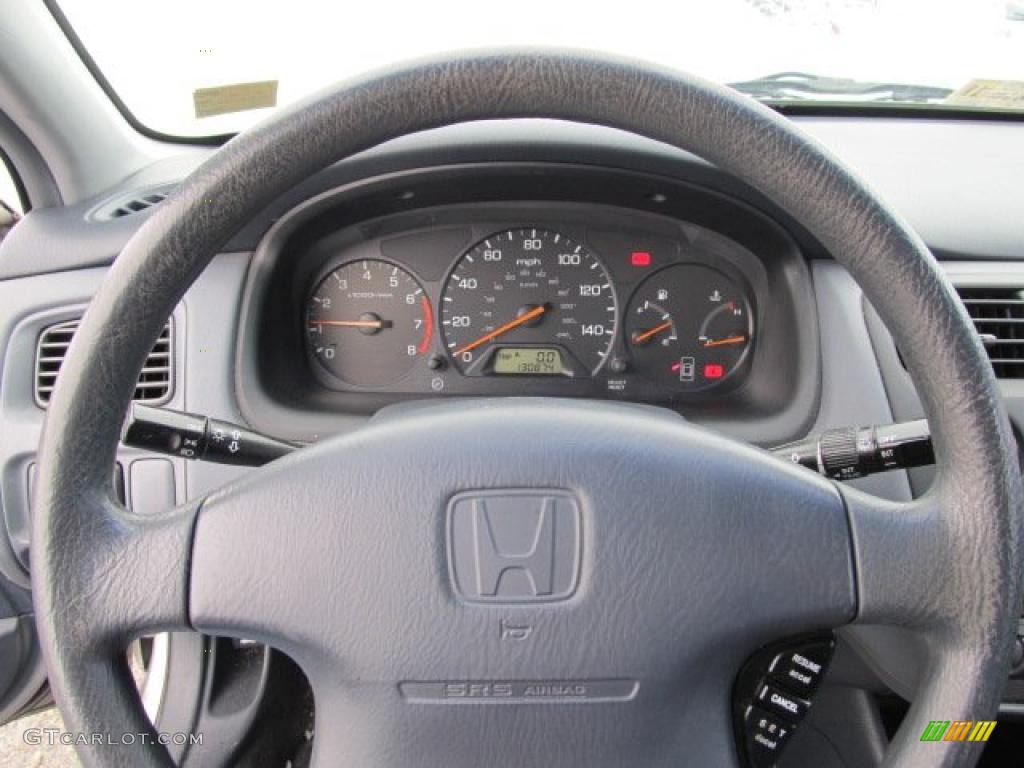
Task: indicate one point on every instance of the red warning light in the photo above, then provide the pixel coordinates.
(640, 259)
(714, 371)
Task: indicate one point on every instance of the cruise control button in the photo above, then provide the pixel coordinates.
(813, 656)
(785, 704)
(796, 678)
(801, 669)
(766, 736)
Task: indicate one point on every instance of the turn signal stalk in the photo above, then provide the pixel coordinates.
(189, 436)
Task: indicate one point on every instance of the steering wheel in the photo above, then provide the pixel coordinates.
(677, 552)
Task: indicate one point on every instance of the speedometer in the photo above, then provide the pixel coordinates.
(528, 302)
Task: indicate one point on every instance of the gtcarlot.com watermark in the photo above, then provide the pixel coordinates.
(51, 737)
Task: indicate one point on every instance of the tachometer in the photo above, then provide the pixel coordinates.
(368, 321)
(528, 302)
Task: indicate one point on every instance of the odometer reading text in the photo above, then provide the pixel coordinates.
(536, 361)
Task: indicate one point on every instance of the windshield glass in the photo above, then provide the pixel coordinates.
(200, 67)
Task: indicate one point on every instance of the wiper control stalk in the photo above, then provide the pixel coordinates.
(846, 453)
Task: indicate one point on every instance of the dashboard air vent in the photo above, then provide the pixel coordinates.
(137, 204)
(998, 314)
(131, 202)
(155, 381)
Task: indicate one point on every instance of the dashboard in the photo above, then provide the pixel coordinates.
(512, 280)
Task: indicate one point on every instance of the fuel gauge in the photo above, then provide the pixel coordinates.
(654, 325)
(689, 326)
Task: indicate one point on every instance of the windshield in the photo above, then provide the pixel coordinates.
(201, 67)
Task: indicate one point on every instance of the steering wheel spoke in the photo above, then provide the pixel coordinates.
(131, 577)
(133, 573)
(902, 552)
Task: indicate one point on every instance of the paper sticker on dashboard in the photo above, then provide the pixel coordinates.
(240, 97)
(990, 94)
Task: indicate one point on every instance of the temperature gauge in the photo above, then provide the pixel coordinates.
(689, 326)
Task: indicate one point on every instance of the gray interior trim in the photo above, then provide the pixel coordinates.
(31, 305)
(851, 386)
(36, 185)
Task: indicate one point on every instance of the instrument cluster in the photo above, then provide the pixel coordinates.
(531, 308)
(525, 279)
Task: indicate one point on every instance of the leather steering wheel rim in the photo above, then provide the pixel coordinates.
(947, 566)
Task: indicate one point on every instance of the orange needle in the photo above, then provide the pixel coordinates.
(354, 323)
(723, 342)
(522, 319)
(640, 338)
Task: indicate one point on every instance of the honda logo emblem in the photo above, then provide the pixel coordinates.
(514, 546)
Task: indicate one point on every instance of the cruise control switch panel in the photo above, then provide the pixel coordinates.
(773, 693)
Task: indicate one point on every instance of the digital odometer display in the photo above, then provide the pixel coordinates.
(531, 361)
(528, 287)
